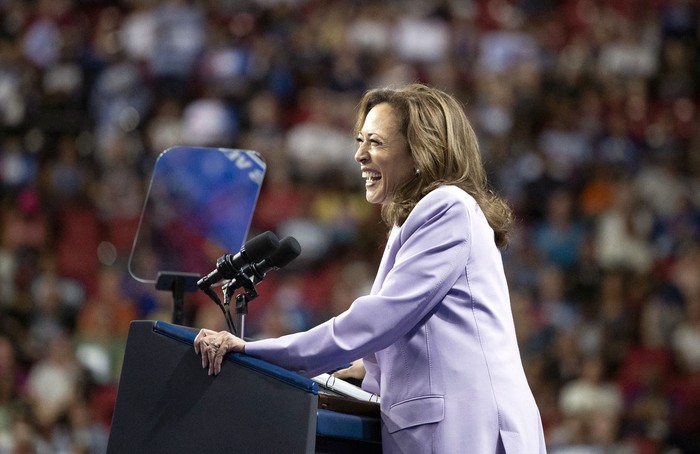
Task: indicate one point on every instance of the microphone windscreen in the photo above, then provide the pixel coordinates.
(261, 246)
(289, 250)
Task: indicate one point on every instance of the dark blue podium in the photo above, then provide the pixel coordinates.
(167, 403)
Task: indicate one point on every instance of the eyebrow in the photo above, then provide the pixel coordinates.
(370, 134)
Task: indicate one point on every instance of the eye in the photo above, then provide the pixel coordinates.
(360, 140)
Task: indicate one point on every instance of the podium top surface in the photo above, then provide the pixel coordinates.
(187, 334)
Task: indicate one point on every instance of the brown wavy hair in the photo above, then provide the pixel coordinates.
(445, 151)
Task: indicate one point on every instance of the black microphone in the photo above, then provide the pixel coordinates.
(229, 266)
(288, 250)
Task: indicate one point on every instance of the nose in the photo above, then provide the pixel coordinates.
(361, 154)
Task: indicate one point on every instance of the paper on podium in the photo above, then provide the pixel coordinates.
(344, 388)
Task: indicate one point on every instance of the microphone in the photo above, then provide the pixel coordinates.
(229, 266)
(288, 250)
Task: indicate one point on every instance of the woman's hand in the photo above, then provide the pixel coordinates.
(214, 345)
(356, 370)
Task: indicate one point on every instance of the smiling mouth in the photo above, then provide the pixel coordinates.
(371, 177)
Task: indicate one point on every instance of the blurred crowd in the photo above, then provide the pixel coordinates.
(587, 113)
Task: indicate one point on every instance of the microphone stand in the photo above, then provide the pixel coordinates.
(250, 292)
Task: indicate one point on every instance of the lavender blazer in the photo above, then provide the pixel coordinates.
(437, 337)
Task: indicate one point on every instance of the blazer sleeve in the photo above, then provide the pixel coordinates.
(373, 375)
(430, 253)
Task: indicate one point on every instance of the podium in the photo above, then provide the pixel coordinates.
(166, 403)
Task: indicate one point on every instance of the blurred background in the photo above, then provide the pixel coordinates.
(587, 113)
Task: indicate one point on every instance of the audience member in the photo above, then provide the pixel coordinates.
(587, 114)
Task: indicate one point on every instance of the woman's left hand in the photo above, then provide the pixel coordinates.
(214, 345)
(356, 371)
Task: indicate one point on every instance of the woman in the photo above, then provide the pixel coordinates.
(436, 331)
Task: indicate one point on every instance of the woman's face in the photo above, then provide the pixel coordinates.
(383, 154)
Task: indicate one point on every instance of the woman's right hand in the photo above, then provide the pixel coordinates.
(214, 345)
